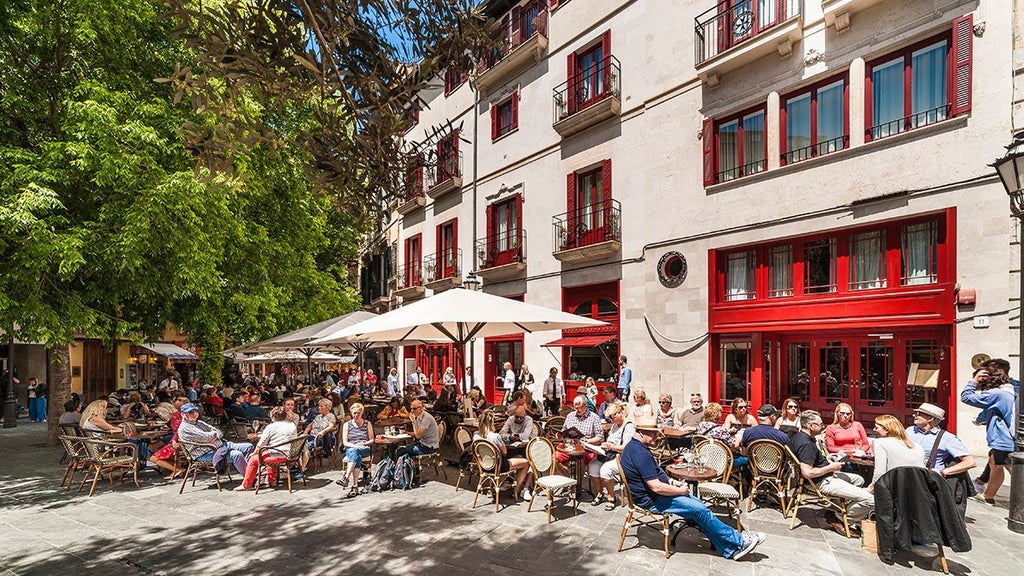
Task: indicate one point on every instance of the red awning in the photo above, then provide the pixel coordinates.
(580, 341)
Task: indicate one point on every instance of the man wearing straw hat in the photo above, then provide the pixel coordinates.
(943, 451)
(653, 490)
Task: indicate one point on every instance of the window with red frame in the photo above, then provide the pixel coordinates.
(922, 84)
(734, 146)
(866, 258)
(414, 177)
(448, 249)
(505, 116)
(448, 158)
(413, 272)
(589, 74)
(589, 202)
(453, 78)
(412, 117)
(814, 120)
(504, 232)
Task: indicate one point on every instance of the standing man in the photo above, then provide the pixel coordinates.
(943, 451)
(554, 391)
(508, 383)
(998, 404)
(468, 382)
(625, 379)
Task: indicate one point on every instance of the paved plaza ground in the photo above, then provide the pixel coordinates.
(431, 530)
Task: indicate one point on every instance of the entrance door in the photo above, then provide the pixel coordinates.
(496, 353)
(875, 374)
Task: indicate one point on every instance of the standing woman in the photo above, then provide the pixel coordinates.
(789, 421)
(393, 387)
(893, 449)
(36, 401)
(845, 434)
(741, 416)
(526, 380)
(355, 438)
(641, 408)
(591, 388)
(94, 419)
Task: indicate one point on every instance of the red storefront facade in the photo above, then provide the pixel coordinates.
(862, 315)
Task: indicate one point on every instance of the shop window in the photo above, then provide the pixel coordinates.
(736, 360)
(919, 263)
(820, 266)
(780, 271)
(867, 260)
(834, 379)
(799, 370)
(739, 276)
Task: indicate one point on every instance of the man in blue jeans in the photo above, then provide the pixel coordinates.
(625, 379)
(652, 490)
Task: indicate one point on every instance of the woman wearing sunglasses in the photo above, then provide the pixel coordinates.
(845, 434)
(741, 416)
(789, 420)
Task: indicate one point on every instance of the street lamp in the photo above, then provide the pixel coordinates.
(1010, 169)
(471, 282)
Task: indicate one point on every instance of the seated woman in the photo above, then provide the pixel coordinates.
(604, 471)
(789, 420)
(641, 408)
(320, 432)
(94, 420)
(892, 448)
(278, 432)
(445, 401)
(710, 428)
(532, 408)
(356, 436)
(474, 403)
(486, 431)
(845, 434)
(394, 409)
(740, 417)
(134, 409)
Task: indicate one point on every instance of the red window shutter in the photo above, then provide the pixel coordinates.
(455, 142)
(708, 149)
(554, 4)
(606, 43)
(490, 242)
(494, 120)
(570, 73)
(519, 224)
(570, 214)
(454, 261)
(515, 35)
(960, 85)
(515, 110)
(438, 247)
(606, 61)
(606, 184)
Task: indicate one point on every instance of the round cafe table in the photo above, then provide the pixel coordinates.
(575, 455)
(692, 474)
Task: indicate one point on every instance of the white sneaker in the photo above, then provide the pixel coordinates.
(979, 488)
(750, 541)
(527, 496)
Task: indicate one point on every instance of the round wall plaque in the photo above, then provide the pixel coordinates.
(672, 269)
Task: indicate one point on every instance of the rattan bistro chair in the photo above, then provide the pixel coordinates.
(284, 463)
(193, 456)
(488, 462)
(808, 493)
(717, 491)
(434, 458)
(463, 441)
(553, 427)
(541, 455)
(637, 516)
(104, 457)
(77, 459)
(771, 472)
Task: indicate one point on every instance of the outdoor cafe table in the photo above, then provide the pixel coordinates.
(676, 437)
(396, 421)
(575, 455)
(391, 443)
(692, 474)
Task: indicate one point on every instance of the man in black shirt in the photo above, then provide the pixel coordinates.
(814, 466)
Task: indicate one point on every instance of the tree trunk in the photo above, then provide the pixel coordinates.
(211, 361)
(60, 389)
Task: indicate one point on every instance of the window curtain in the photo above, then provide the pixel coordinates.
(728, 151)
(781, 271)
(738, 277)
(753, 143)
(887, 98)
(866, 272)
(919, 254)
(767, 15)
(830, 118)
(928, 85)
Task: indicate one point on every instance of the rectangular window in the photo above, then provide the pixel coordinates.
(919, 254)
(780, 271)
(867, 260)
(505, 225)
(739, 276)
(736, 358)
(413, 271)
(815, 122)
(453, 79)
(741, 146)
(505, 116)
(448, 158)
(820, 266)
(447, 250)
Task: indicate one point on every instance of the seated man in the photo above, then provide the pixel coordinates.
(72, 413)
(582, 424)
(424, 429)
(767, 415)
(831, 481)
(518, 428)
(652, 490)
(943, 451)
(210, 439)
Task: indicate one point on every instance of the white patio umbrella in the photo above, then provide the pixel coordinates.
(457, 315)
(295, 355)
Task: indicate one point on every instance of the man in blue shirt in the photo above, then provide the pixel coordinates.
(609, 399)
(998, 413)
(625, 379)
(951, 455)
(652, 490)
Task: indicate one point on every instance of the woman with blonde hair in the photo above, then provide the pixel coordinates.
(94, 419)
(710, 428)
(892, 448)
(521, 466)
(642, 408)
(845, 434)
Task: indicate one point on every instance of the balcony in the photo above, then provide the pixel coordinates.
(520, 48)
(443, 270)
(733, 34)
(409, 281)
(589, 234)
(413, 200)
(445, 177)
(501, 256)
(593, 96)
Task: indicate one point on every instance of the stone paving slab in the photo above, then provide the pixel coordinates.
(432, 530)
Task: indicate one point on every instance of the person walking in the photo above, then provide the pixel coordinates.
(625, 379)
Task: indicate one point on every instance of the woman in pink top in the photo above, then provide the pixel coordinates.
(845, 434)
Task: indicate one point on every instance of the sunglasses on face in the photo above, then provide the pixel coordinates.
(846, 413)
(792, 407)
(663, 402)
(741, 407)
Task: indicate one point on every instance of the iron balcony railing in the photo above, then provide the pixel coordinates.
(502, 248)
(533, 19)
(747, 169)
(820, 149)
(447, 167)
(731, 22)
(587, 225)
(589, 86)
(412, 183)
(916, 120)
(442, 265)
(409, 275)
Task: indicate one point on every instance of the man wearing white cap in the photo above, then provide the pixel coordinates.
(951, 457)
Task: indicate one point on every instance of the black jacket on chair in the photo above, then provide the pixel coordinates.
(916, 505)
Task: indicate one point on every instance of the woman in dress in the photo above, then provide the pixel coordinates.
(845, 434)
(892, 448)
(356, 435)
(521, 465)
(641, 409)
(741, 416)
(789, 421)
